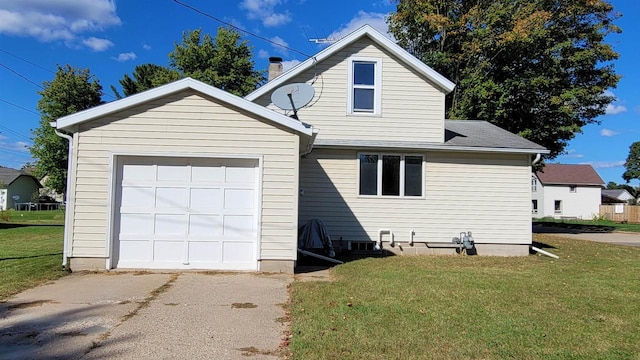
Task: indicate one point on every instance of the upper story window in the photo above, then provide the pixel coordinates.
(572, 188)
(365, 76)
(534, 184)
(391, 175)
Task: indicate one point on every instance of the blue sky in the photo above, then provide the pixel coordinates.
(111, 37)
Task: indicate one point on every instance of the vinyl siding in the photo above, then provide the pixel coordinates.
(582, 204)
(25, 188)
(412, 109)
(487, 194)
(185, 123)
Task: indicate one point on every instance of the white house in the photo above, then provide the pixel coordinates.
(616, 196)
(187, 176)
(566, 191)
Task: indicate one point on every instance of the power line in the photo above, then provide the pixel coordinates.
(20, 75)
(15, 133)
(239, 29)
(27, 61)
(19, 107)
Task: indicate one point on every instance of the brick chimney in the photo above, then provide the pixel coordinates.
(275, 67)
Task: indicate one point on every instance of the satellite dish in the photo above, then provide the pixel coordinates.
(293, 97)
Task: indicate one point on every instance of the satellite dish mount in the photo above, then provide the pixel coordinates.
(293, 97)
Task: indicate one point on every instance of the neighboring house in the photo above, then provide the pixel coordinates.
(188, 176)
(566, 191)
(613, 196)
(16, 187)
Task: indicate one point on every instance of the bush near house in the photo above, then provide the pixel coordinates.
(30, 249)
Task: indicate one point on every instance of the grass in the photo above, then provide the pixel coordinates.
(30, 250)
(597, 223)
(583, 306)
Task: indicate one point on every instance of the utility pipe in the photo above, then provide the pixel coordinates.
(411, 233)
(379, 241)
(538, 157)
(545, 252)
(68, 197)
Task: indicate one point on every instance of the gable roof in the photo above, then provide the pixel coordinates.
(8, 176)
(460, 135)
(440, 81)
(569, 174)
(69, 121)
(616, 193)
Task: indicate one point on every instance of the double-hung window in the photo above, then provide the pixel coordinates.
(391, 175)
(364, 86)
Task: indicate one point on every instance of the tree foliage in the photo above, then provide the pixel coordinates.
(224, 62)
(633, 163)
(70, 91)
(538, 68)
(144, 77)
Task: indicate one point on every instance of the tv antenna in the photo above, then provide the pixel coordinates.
(293, 97)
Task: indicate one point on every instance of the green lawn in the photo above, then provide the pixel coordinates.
(30, 250)
(590, 223)
(584, 306)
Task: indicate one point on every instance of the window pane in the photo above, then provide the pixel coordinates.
(413, 175)
(363, 73)
(368, 174)
(391, 175)
(363, 100)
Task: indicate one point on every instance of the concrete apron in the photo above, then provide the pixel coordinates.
(147, 316)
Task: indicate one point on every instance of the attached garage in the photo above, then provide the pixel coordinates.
(183, 176)
(187, 213)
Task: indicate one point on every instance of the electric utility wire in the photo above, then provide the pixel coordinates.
(27, 61)
(21, 76)
(239, 29)
(15, 133)
(19, 107)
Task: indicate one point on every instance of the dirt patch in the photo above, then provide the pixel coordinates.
(243, 306)
(31, 304)
(152, 296)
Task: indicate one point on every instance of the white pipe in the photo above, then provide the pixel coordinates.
(538, 157)
(309, 253)
(545, 252)
(379, 241)
(68, 205)
(411, 233)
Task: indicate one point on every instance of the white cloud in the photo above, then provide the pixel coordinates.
(613, 109)
(263, 54)
(264, 10)
(122, 57)
(97, 44)
(20, 146)
(571, 153)
(56, 20)
(146, 46)
(279, 44)
(375, 20)
(608, 133)
(604, 164)
(286, 65)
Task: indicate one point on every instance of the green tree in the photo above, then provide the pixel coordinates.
(538, 68)
(633, 163)
(144, 77)
(224, 62)
(70, 91)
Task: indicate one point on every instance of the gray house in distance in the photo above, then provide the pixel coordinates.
(16, 187)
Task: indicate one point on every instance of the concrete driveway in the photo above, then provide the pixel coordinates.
(618, 238)
(148, 316)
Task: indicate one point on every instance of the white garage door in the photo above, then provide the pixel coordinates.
(178, 213)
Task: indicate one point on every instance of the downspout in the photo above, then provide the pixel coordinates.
(535, 161)
(68, 205)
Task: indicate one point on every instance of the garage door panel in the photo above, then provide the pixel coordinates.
(171, 197)
(170, 224)
(136, 224)
(205, 225)
(135, 250)
(209, 199)
(138, 196)
(239, 199)
(188, 213)
(168, 251)
(203, 252)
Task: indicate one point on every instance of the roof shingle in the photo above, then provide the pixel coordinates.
(569, 174)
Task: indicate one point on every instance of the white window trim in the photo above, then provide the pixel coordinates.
(573, 188)
(534, 210)
(554, 207)
(402, 175)
(377, 86)
(534, 184)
